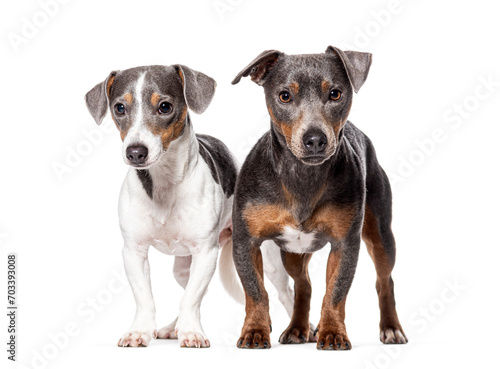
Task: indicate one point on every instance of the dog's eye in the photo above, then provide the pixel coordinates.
(285, 97)
(120, 109)
(165, 108)
(335, 95)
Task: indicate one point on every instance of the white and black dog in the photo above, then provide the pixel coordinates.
(177, 195)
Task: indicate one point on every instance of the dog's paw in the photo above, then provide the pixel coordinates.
(295, 334)
(255, 338)
(312, 333)
(393, 336)
(167, 332)
(136, 339)
(328, 339)
(192, 339)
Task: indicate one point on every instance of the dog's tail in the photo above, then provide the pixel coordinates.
(228, 274)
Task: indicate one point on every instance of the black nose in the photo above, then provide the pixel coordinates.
(314, 141)
(137, 154)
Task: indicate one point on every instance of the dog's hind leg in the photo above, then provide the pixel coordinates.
(181, 270)
(381, 245)
(181, 275)
(277, 274)
(298, 329)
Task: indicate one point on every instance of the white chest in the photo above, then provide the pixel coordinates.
(183, 227)
(179, 222)
(296, 240)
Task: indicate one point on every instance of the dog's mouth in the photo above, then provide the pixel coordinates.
(140, 166)
(314, 160)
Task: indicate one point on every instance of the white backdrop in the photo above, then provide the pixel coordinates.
(430, 105)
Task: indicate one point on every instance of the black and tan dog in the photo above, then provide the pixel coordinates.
(312, 179)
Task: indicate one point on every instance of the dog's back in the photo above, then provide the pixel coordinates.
(222, 164)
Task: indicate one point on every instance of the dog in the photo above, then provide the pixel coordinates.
(177, 195)
(312, 179)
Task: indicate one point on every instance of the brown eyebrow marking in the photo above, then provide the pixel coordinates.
(325, 86)
(172, 132)
(128, 98)
(155, 98)
(294, 87)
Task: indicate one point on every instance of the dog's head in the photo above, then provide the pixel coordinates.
(309, 96)
(149, 106)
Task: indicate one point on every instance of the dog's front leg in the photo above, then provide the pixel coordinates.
(143, 329)
(342, 261)
(256, 330)
(188, 328)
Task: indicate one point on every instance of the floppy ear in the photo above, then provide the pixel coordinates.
(97, 98)
(260, 67)
(356, 64)
(199, 89)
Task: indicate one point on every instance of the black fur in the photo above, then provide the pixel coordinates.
(314, 174)
(268, 164)
(146, 180)
(220, 161)
(272, 164)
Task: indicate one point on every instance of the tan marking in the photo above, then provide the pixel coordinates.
(264, 220)
(109, 84)
(383, 265)
(294, 87)
(128, 98)
(373, 240)
(155, 98)
(287, 130)
(333, 220)
(172, 132)
(325, 86)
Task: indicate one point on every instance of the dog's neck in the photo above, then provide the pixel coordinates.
(177, 162)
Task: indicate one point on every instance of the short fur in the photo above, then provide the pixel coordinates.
(177, 195)
(312, 179)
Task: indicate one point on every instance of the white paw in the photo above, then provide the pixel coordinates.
(167, 332)
(391, 336)
(192, 339)
(136, 339)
